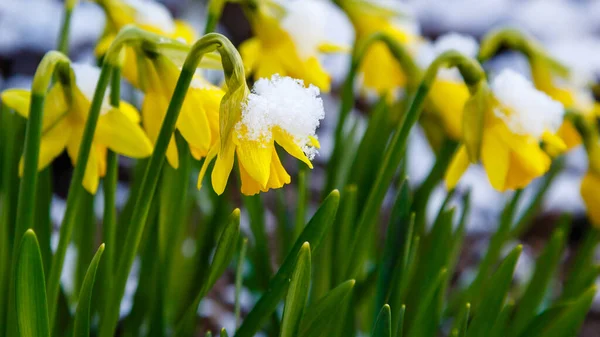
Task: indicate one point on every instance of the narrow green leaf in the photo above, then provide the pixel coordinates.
(400, 324)
(423, 322)
(81, 326)
(30, 294)
(494, 295)
(583, 261)
(313, 234)
(547, 263)
(208, 334)
(239, 276)
(297, 294)
(326, 310)
(383, 324)
(570, 320)
(224, 333)
(259, 253)
(226, 246)
(502, 323)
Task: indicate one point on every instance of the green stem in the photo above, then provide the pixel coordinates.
(472, 74)
(63, 38)
(208, 43)
(76, 190)
(215, 9)
(347, 99)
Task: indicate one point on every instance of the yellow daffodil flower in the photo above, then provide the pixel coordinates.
(380, 72)
(590, 185)
(576, 98)
(198, 120)
(449, 93)
(280, 110)
(518, 119)
(65, 113)
(289, 38)
(148, 15)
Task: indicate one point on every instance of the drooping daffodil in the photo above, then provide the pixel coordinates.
(449, 93)
(148, 15)
(278, 110)
(380, 72)
(572, 91)
(198, 120)
(289, 39)
(65, 114)
(517, 120)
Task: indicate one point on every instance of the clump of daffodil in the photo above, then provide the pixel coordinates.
(198, 121)
(148, 15)
(549, 76)
(289, 37)
(379, 71)
(278, 110)
(449, 93)
(517, 119)
(65, 114)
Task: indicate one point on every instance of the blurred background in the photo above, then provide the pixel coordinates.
(569, 29)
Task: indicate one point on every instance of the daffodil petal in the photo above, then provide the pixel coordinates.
(18, 100)
(255, 156)
(249, 185)
(222, 169)
(457, 168)
(117, 131)
(250, 52)
(495, 160)
(209, 158)
(193, 122)
(290, 146)
(327, 47)
(553, 144)
(130, 111)
(590, 185)
(279, 175)
(90, 177)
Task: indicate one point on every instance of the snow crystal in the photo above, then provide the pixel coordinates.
(530, 111)
(286, 103)
(152, 13)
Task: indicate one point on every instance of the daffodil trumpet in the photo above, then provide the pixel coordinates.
(361, 48)
(234, 74)
(472, 74)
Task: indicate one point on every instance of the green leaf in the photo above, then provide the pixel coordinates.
(502, 324)
(326, 310)
(226, 247)
(494, 295)
(224, 333)
(425, 320)
(459, 327)
(297, 294)
(383, 324)
(30, 295)
(81, 326)
(568, 322)
(239, 275)
(546, 265)
(400, 324)
(313, 234)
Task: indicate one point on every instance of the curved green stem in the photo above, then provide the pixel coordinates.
(231, 65)
(514, 39)
(472, 74)
(347, 99)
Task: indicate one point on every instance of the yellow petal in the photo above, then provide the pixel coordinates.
(249, 185)
(193, 122)
(222, 169)
(103, 44)
(130, 111)
(278, 176)
(184, 31)
(255, 157)
(333, 48)
(209, 158)
(553, 144)
(287, 142)
(449, 99)
(495, 159)
(526, 163)
(18, 100)
(55, 106)
(153, 111)
(122, 135)
(316, 75)
(457, 167)
(568, 133)
(590, 185)
(250, 52)
(91, 175)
